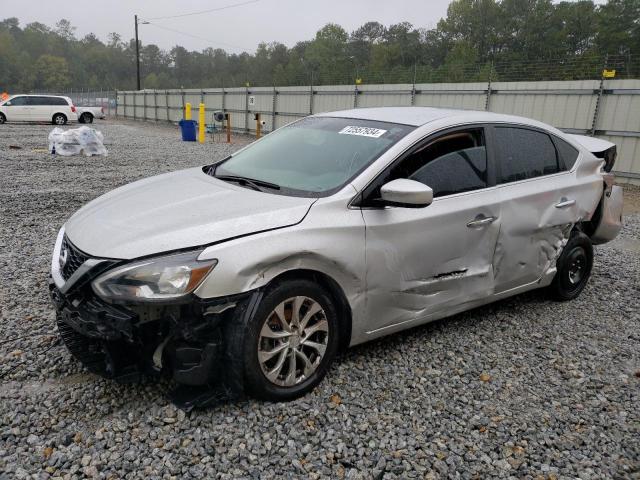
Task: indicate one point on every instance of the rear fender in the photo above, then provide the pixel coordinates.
(609, 222)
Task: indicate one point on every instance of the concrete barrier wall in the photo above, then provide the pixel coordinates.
(609, 109)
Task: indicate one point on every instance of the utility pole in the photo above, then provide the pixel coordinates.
(137, 53)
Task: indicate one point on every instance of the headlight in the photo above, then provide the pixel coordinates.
(155, 279)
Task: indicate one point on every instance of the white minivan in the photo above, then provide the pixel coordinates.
(38, 108)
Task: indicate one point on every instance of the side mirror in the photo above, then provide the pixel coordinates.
(403, 192)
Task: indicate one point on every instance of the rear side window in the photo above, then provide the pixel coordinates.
(568, 154)
(38, 101)
(58, 101)
(524, 154)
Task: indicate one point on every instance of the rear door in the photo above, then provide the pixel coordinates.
(425, 261)
(39, 108)
(17, 109)
(539, 205)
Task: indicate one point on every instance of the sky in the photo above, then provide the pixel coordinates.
(235, 29)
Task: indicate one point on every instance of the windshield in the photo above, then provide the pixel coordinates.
(314, 156)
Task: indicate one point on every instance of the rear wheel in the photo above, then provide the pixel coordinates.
(574, 267)
(86, 118)
(290, 342)
(59, 119)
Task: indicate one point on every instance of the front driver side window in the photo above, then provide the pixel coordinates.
(19, 101)
(455, 162)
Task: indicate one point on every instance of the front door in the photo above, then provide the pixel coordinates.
(17, 110)
(422, 262)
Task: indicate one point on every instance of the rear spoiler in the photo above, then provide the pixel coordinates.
(600, 148)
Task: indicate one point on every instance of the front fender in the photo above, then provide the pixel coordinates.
(330, 244)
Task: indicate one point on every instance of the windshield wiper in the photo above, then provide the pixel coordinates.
(250, 182)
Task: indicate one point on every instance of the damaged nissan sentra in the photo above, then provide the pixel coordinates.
(256, 271)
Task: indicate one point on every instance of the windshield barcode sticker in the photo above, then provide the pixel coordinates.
(363, 131)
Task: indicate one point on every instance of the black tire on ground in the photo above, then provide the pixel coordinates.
(243, 340)
(59, 119)
(574, 268)
(3, 119)
(86, 117)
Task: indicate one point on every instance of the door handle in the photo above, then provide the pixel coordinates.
(564, 203)
(481, 222)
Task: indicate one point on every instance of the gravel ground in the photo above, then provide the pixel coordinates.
(524, 388)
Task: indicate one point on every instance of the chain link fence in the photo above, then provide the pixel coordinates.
(590, 95)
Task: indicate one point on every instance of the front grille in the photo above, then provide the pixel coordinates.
(75, 258)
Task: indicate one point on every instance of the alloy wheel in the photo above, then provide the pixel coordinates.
(293, 341)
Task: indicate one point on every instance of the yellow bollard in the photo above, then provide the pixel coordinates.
(187, 111)
(201, 125)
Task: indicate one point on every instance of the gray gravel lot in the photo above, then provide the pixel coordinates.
(524, 388)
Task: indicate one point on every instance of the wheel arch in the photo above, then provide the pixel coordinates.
(53, 117)
(333, 288)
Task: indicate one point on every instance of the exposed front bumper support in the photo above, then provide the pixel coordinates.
(182, 341)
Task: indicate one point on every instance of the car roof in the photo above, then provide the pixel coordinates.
(36, 95)
(418, 116)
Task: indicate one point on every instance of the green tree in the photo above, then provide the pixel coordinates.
(52, 72)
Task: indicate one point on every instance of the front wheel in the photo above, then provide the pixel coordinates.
(3, 119)
(287, 346)
(573, 268)
(59, 119)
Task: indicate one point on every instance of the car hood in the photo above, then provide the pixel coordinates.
(183, 209)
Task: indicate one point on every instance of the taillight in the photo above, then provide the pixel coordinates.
(73, 108)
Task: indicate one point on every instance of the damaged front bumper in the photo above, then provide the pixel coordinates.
(183, 341)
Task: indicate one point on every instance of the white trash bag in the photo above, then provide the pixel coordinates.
(75, 141)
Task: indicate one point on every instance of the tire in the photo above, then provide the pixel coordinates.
(86, 118)
(573, 268)
(59, 119)
(3, 119)
(266, 375)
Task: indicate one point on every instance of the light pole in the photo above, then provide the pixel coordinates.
(135, 18)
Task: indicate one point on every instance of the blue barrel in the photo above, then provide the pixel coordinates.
(188, 129)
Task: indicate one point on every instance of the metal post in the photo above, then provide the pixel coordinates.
(137, 54)
(155, 105)
(488, 97)
(273, 109)
(115, 104)
(355, 97)
(183, 104)
(413, 87)
(144, 105)
(166, 100)
(246, 112)
(600, 92)
(311, 96)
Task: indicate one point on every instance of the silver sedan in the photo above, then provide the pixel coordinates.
(254, 272)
